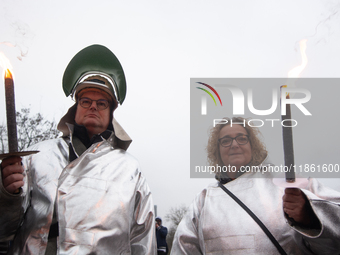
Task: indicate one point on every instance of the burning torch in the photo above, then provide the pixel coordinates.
(10, 113)
(287, 132)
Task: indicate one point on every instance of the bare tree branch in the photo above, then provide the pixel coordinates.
(30, 129)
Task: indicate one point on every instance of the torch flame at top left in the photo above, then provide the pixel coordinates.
(8, 74)
(7, 67)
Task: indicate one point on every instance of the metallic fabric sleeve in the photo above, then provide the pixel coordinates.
(12, 211)
(143, 239)
(188, 238)
(325, 203)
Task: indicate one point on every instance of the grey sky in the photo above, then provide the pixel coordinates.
(161, 45)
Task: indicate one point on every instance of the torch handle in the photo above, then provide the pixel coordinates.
(288, 148)
(11, 116)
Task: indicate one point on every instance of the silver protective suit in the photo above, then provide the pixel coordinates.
(101, 201)
(216, 224)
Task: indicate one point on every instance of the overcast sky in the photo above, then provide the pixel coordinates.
(161, 45)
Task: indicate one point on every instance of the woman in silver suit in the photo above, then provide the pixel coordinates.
(299, 221)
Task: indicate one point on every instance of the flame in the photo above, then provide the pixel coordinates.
(8, 74)
(6, 65)
(295, 72)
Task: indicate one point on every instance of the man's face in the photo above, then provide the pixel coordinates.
(96, 121)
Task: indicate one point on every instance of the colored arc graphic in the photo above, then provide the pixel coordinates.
(210, 93)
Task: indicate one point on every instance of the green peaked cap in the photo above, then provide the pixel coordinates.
(95, 59)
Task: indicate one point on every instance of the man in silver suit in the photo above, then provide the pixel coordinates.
(82, 193)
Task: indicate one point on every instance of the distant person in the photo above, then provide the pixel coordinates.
(82, 193)
(296, 221)
(161, 233)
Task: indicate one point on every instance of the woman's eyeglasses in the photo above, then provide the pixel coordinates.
(227, 141)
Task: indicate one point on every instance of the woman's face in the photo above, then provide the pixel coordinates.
(235, 155)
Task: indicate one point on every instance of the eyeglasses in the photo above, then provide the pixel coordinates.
(227, 141)
(85, 102)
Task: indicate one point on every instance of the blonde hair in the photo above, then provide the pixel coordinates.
(258, 148)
